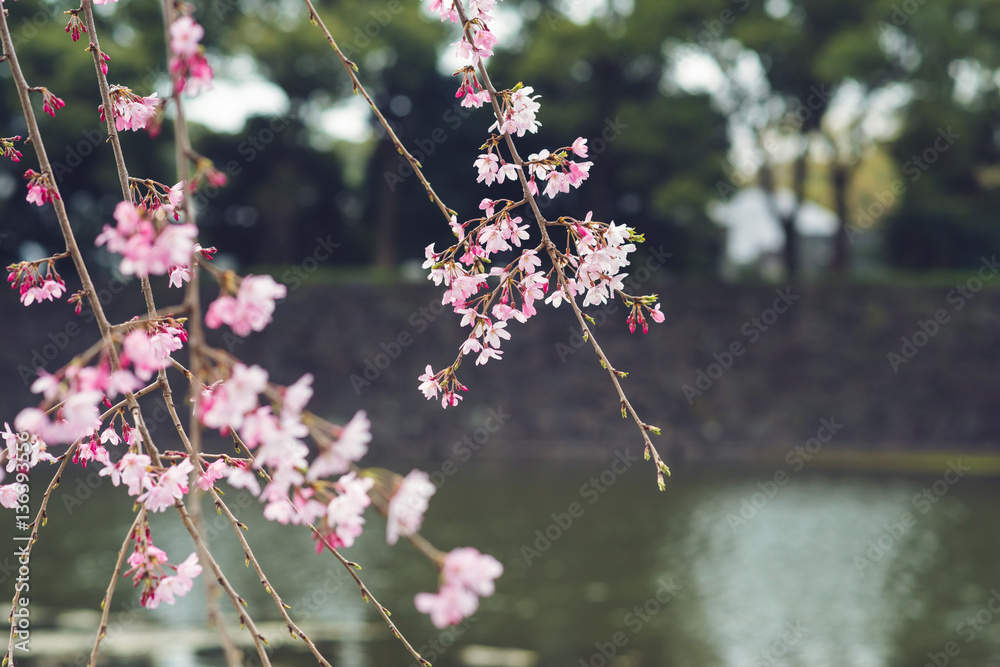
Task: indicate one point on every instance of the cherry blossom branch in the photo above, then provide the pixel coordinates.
(102, 81)
(102, 628)
(644, 428)
(350, 566)
(195, 335)
(238, 527)
(35, 138)
(238, 602)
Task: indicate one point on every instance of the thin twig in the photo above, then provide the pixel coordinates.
(106, 601)
(553, 253)
(351, 69)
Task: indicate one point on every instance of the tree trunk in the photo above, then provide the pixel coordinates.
(841, 261)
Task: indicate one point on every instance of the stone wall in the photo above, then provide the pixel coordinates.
(732, 371)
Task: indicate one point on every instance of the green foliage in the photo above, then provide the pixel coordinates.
(658, 153)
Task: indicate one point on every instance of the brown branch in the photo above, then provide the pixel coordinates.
(106, 601)
(351, 70)
(553, 253)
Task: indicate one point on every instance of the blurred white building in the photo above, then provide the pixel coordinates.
(755, 239)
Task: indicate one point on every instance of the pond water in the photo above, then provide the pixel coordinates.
(725, 568)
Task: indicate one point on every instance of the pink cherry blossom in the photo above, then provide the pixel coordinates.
(429, 384)
(185, 36)
(130, 111)
(446, 9)
(407, 505)
(149, 352)
(9, 494)
(134, 472)
(241, 478)
(251, 308)
(40, 190)
(470, 569)
(519, 110)
(213, 473)
(192, 73)
(448, 606)
(146, 251)
(168, 487)
(337, 457)
(168, 588)
(224, 404)
(344, 513)
(656, 314)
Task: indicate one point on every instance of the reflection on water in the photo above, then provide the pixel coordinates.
(725, 568)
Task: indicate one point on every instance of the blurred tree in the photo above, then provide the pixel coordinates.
(657, 151)
(784, 66)
(611, 75)
(948, 146)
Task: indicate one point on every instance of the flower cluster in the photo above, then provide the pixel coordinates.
(40, 188)
(50, 103)
(480, 47)
(188, 65)
(23, 451)
(466, 575)
(75, 26)
(32, 284)
(149, 244)
(7, 148)
(148, 349)
(557, 171)
(518, 110)
(157, 195)
(165, 488)
(275, 435)
(344, 514)
(487, 298)
(80, 390)
(408, 504)
(130, 111)
(251, 308)
(146, 566)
